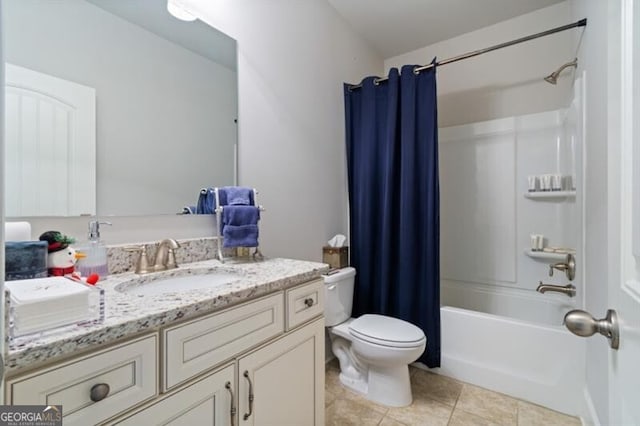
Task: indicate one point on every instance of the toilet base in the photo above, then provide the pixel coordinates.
(389, 386)
(358, 386)
(377, 373)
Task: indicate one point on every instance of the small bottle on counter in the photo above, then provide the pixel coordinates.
(95, 261)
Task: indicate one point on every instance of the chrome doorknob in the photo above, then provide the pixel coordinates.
(583, 324)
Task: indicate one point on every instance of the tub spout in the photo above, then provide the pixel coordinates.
(569, 289)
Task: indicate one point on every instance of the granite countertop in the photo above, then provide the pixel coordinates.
(129, 314)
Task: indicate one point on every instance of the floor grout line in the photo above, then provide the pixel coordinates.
(341, 394)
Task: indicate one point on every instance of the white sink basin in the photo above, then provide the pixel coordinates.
(154, 285)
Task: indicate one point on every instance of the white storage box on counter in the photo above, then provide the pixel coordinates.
(46, 304)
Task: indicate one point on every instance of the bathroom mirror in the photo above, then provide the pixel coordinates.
(165, 108)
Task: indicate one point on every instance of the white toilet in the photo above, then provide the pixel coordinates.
(374, 350)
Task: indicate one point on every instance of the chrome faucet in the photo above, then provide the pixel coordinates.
(569, 289)
(165, 255)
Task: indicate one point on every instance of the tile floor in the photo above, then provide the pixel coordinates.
(437, 400)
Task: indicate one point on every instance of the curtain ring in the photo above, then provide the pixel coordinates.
(376, 82)
(416, 71)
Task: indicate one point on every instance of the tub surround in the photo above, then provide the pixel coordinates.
(127, 315)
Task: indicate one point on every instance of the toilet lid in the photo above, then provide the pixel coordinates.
(387, 331)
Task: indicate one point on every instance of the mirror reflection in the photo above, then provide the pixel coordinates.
(114, 107)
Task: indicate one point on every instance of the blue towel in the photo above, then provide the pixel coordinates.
(222, 197)
(240, 226)
(240, 215)
(237, 196)
(240, 236)
(206, 202)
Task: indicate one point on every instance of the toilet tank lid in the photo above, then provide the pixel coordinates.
(384, 328)
(341, 274)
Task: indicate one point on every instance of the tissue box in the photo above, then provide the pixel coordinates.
(42, 306)
(25, 260)
(336, 257)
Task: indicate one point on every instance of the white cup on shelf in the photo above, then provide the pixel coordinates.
(534, 244)
(537, 242)
(532, 182)
(545, 182)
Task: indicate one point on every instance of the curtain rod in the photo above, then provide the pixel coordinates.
(416, 70)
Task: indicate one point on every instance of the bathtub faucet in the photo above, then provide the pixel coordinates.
(569, 289)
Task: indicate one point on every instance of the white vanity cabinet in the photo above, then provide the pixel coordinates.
(259, 363)
(209, 401)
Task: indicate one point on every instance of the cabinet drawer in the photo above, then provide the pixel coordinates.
(201, 344)
(130, 370)
(304, 303)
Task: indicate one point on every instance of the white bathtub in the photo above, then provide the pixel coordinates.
(543, 364)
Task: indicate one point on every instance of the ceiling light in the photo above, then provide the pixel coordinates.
(177, 10)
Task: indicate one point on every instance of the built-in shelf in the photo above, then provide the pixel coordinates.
(548, 195)
(543, 255)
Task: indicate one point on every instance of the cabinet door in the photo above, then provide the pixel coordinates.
(286, 380)
(206, 402)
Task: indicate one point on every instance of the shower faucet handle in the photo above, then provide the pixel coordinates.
(568, 266)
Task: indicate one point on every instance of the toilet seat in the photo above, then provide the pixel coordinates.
(386, 331)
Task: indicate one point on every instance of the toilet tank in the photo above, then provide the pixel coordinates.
(338, 289)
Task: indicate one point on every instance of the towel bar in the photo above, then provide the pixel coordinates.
(257, 254)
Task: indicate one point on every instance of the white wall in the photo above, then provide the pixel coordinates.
(593, 58)
(151, 94)
(506, 82)
(293, 57)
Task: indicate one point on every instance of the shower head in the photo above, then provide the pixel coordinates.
(553, 77)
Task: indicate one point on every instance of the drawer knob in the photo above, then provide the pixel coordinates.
(99, 392)
(309, 302)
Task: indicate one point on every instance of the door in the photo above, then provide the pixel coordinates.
(50, 137)
(208, 402)
(624, 218)
(283, 383)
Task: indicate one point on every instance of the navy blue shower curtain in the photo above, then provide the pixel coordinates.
(392, 155)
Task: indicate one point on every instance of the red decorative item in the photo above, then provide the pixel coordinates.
(93, 279)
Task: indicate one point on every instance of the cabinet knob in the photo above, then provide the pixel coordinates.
(309, 302)
(99, 392)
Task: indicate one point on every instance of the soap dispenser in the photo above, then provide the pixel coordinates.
(95, 261)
